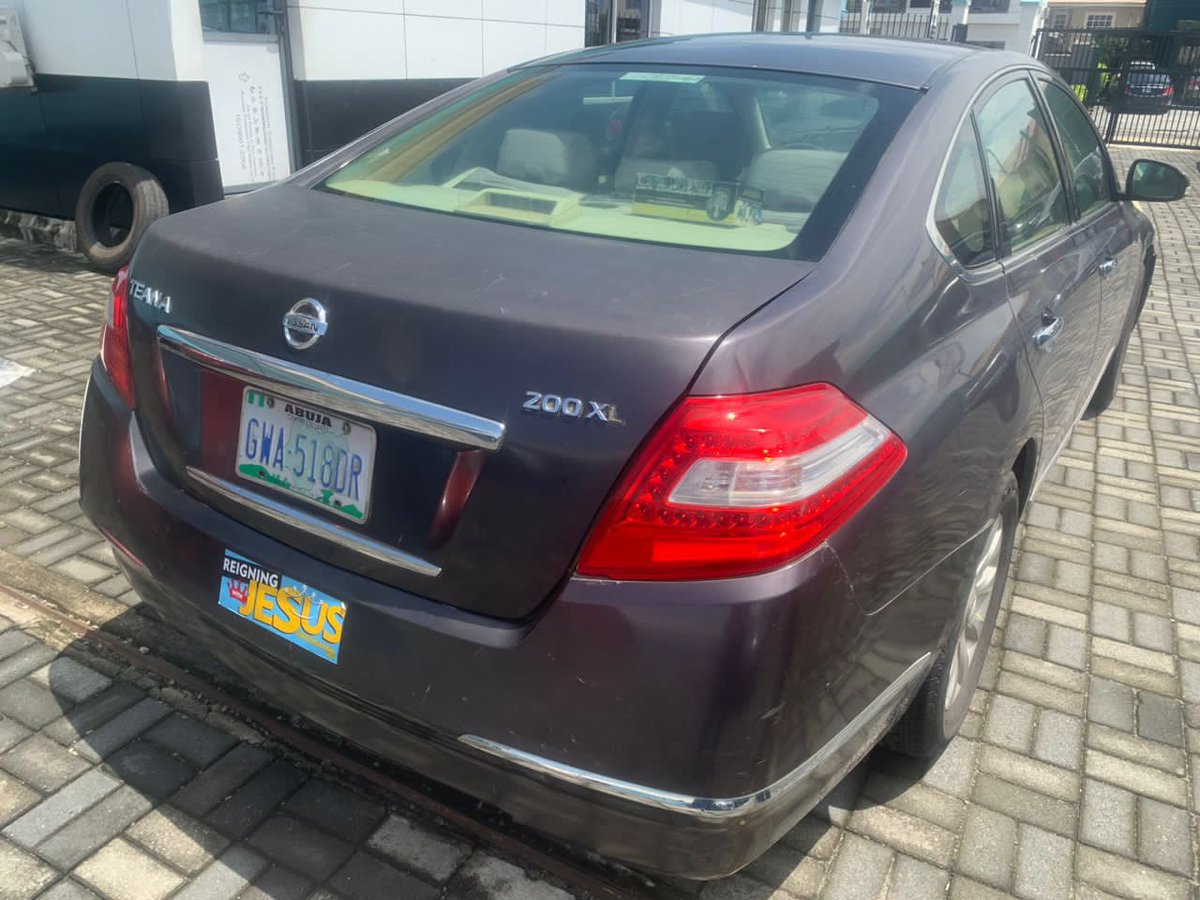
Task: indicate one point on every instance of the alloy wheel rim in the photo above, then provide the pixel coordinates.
(966, 645)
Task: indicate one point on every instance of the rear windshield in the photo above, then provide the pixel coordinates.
(725, 159)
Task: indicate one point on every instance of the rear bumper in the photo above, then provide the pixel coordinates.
(678, 727)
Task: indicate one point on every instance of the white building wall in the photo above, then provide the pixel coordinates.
(672, 17)
(158, 40)
(413, 39)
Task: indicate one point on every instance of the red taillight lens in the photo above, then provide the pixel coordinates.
(1170, 91)
(114, 338)
(735, 485)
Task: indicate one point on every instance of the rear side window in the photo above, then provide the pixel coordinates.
(1085, 156)
(963, 213)
(727, 159)
(1022, 165)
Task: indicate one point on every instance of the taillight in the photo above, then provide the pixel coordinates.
(741, 484)
(1169, 91)
(114, 338)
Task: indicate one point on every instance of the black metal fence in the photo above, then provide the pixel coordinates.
(916, 24)
(1142, 86)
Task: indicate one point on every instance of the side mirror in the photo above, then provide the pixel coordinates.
(1152, 181)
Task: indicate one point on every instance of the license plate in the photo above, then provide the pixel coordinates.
(299, 614)
(307, 453)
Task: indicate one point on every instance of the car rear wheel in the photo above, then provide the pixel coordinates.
(941, 704)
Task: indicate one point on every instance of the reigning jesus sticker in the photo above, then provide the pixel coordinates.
(294, 611)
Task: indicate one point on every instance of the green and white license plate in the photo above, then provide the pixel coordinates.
(306, 452)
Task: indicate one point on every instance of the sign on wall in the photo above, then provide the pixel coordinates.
(245, 83)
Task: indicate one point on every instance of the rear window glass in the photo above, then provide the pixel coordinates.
(720, 159)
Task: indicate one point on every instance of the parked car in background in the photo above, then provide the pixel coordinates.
(1141, 88)
(632, 439)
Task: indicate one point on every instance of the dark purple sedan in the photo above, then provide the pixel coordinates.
(633, 438)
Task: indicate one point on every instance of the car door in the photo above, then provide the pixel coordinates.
(1094, 191)
(1050, 265)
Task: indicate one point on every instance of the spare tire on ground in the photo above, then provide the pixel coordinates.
(115, 207)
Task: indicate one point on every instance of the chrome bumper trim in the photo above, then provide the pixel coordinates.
(344, 395)
(298, 518)
(711, 807)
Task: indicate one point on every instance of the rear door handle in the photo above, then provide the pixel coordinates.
(1108, 266)
(1051, 326)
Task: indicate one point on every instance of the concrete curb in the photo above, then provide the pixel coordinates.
(38, 229)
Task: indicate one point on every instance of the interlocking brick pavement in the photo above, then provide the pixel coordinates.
(1075, 774)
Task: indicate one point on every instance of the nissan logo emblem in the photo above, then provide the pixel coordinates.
(304, 324)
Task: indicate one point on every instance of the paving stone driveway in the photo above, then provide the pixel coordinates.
(1076, 774)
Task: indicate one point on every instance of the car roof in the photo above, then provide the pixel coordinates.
(906, 63)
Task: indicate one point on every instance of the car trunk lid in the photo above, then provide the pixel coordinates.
(536, 363)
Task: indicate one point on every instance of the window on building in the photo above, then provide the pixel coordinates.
(963, 213)
(1060, 20)
(1099, 20)
(238, 16)
(1022, 165)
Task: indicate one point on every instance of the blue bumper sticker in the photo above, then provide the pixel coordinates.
(294, 611)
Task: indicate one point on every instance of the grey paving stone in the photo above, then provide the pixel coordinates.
(1044, 864)
(916, 880)
(1009, 723)
(193, 740)
(1109, 817)
(121, 729)
(68, 890)
(1160, 719)
(121, 871)
(483, 875)
(1025, 805)
(226, 877)
(12, 733)
(148, 769)
(1059, 739)
(42, 763)
(860, 869)
(789, 870)
(15, 798)
(31, 705)
(255, 801)
(93, 713)
(418, 848)
(988, 847)
(12, 641)
(1110, 704)
(279, 883)
(336, 809)
(177, 838)
(300, 846)
(90, 831)
(200, 796)
(69, 678)
(1165, 836)
(1128, 878)
(60, 808)
(1067, 646)
(366, 877)
(22, 875)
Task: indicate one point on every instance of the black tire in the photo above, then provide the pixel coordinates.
(115, 207)
(930, 722)
(1106, 389)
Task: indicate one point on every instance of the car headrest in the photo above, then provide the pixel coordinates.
(793, 178)
(558, 158)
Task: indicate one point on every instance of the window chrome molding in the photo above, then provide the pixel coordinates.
(712, 807)
(355, 399)
(298, 518)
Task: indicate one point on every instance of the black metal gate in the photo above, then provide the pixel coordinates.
(1141, 85)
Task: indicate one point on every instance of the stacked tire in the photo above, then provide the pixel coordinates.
(117, 204)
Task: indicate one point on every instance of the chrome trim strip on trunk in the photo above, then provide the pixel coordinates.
(298, 518)
(344, 395)
(711, 807)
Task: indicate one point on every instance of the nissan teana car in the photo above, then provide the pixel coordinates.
(634, 438)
